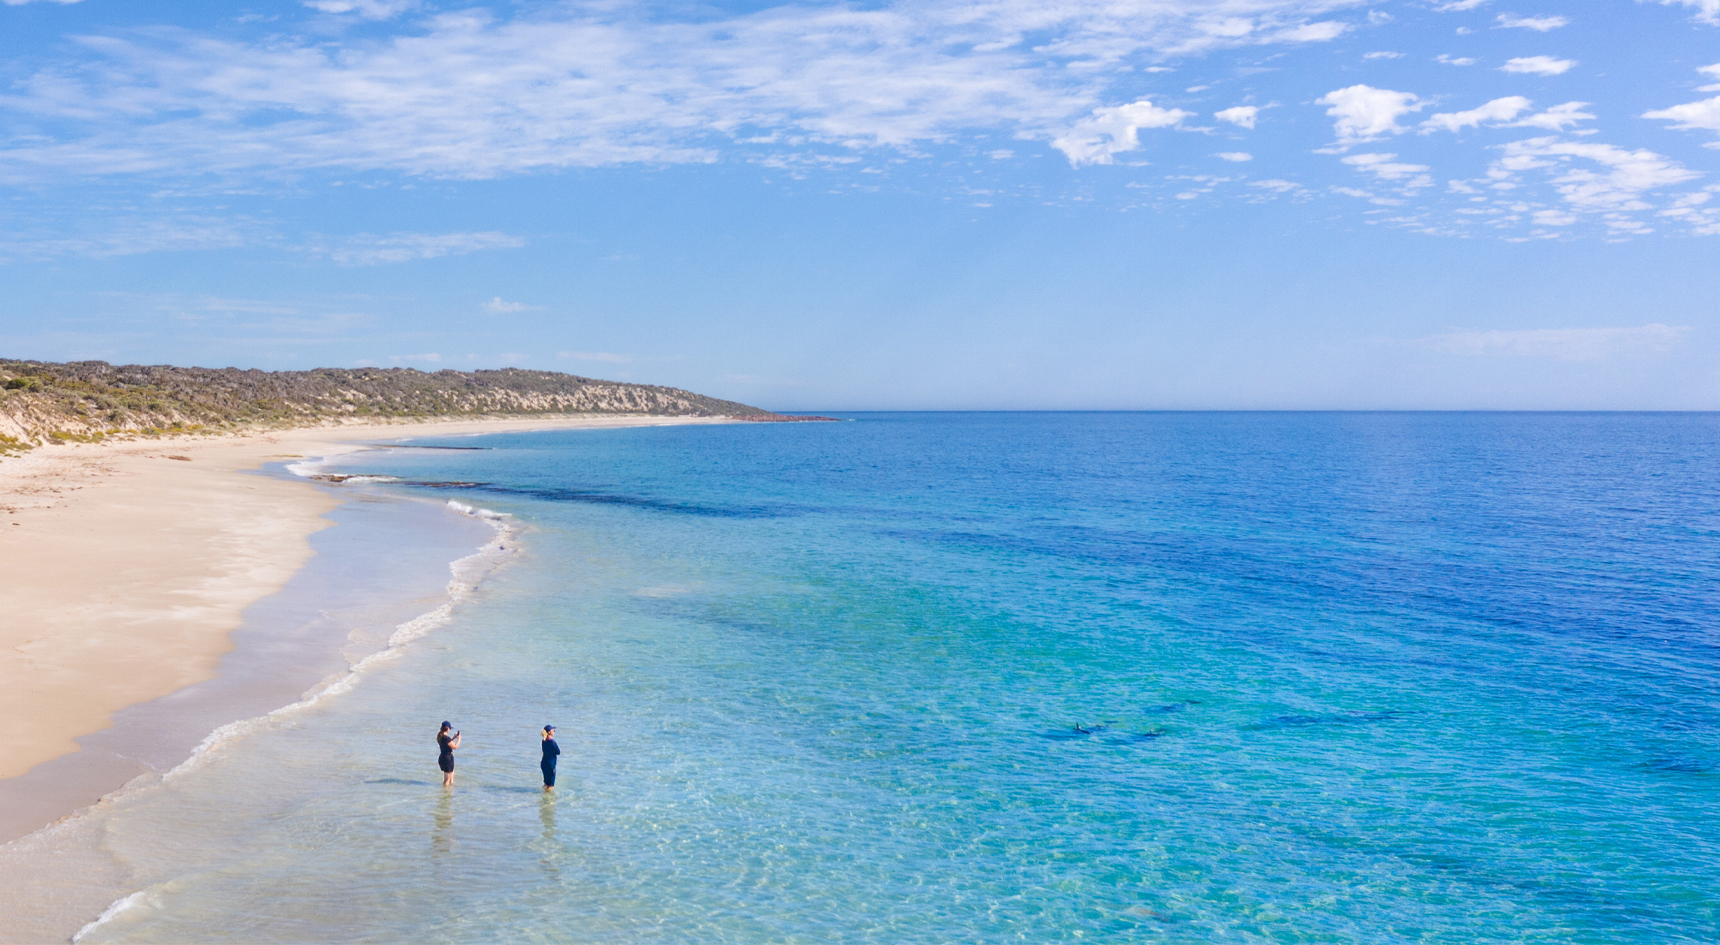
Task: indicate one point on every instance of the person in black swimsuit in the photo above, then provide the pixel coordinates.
(551, 751)
(445, 760)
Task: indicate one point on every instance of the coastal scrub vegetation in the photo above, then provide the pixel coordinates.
(87, 401)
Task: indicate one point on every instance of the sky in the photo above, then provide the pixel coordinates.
(972, 204)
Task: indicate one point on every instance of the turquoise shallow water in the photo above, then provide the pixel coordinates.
(939, 678)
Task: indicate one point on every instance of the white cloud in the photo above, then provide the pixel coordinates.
(1538, 65)
(1498, 110)
(1539, 24)
(1562, 344)
(1311, 33)
(1691, 116)
(1111, 131)
(1382, 55)
(497, 306)
(1244, 115)
(1693, 209)
(1556, 118)
(432, 357)
(1499, 114)
(1281, 186)
(366, 9)
(1708, 11)
(1459, 5)
(369, 250)
(603, 84)
(1365, 113)
(1453, 61)
(1619, 188)
(1387, 168)
(1236, 156)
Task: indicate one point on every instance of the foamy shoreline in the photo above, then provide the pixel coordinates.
(128, 568)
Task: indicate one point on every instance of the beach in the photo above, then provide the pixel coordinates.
(128, 567)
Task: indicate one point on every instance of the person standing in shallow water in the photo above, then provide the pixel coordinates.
(445, 759)
(551, 751)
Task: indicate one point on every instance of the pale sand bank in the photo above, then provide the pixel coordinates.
(125, 568)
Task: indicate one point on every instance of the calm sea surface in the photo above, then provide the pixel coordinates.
(1189, 678)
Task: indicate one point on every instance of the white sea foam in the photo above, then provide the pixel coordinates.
(118, 906)
(466, 572)
(308, 467)
(475, 512)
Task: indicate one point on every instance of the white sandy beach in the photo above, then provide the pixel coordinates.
(128, 565)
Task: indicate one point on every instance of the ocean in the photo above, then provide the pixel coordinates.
(922, 677)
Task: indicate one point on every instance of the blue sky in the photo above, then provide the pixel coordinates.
(972, 204)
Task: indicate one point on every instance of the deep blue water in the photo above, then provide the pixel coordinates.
(1018, 677)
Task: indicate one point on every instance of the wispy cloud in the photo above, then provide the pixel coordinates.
(1616, 189)
(1539, 24)
(1538, 65)
(497, 306)
(1695, 116)
(367, 250)
(1388, 168)
(1497, 111)
(366, 9)
(1561, 344)
(1500, 112)
(1707, 11)
(595, 85)
(132, 235)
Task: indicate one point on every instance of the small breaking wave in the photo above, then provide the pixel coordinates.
(108, 914)
(475, 512)
(308, 468)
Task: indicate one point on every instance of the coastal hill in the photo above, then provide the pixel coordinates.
(88, 400)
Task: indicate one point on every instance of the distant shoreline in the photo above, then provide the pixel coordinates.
(130, 563)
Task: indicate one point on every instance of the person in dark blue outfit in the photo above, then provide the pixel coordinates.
(551, 751)
(445, 745)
